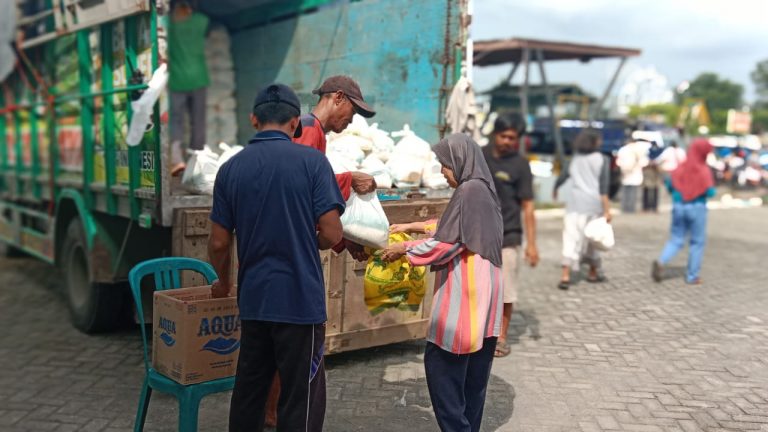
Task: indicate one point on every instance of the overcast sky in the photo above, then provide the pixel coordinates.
(681, 38)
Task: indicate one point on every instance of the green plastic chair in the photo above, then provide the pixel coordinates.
(167, 273)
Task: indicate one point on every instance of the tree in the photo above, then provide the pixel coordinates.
(720, 95)
(760, 79)
(667, 113)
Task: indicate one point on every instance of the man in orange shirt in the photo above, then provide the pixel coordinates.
(340, 99)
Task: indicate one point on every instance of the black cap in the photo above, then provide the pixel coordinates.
(280, 93)
(349, 87)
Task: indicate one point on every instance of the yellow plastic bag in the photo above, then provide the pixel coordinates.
(393, 285)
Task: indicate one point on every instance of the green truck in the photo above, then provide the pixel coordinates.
(74, 194)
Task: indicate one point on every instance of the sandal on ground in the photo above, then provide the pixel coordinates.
(696, 281)
(597, 278)
(656, 271)
(564, 284)
(502, 350)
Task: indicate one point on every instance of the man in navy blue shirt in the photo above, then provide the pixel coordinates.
(282, 202)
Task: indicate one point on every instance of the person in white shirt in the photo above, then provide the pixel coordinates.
(631, 159)
(670, 158)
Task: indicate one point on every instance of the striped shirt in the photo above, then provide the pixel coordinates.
(468, 300)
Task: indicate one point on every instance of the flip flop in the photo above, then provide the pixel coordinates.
(656, 271)
(597, 279)
(564, 285)
(501, 350)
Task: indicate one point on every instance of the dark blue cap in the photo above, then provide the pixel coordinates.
(280, 93)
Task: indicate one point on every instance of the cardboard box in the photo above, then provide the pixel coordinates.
(196, 337)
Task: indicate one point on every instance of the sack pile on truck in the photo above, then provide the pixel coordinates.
(221, 107)
(366, 148)
(202, 167)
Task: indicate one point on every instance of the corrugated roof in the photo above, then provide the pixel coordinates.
(500, 51)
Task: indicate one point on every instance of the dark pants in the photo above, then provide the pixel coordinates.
(629, 198)
(457, 384)
(650, 198)
(191, 104)
(296, 351)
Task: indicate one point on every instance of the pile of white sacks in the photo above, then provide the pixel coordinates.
(409, 163)
(221, 109)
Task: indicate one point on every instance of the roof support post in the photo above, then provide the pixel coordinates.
(512, 73)
(599, 106)
(559, 149)
(524, 90)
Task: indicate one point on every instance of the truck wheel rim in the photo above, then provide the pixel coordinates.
(79, 283)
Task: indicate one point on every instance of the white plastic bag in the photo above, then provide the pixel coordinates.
(142, 108)
(227, 151)
(432, 176)
(373, 166)
(200, 174)
(365, 222)
(600, 233)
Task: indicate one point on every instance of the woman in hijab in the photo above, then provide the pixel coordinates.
(690, 185)
(465, 253)
(589, 173)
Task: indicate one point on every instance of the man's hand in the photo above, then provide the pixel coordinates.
(357, 251)
(608, 216)
(363, 183)
(219, 290)
(393, 252)
(532, 255)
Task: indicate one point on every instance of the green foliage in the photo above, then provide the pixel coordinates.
(760, 78)
(760, 120)
(667, 112)
(719, 94)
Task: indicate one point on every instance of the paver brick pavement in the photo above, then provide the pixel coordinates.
(625, 355)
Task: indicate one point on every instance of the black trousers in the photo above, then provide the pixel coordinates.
(650, 198)
(296, 352)
(457, 385)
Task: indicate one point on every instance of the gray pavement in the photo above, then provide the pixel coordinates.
(627, 354)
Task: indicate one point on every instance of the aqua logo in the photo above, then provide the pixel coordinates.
(219, 325)
(169, 328)
(167, 325)
(222, 346)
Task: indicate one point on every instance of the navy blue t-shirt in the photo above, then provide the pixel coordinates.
(272, 195)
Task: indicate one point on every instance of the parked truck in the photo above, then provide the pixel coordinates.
(74, 194)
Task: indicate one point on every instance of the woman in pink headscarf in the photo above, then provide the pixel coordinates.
(690, 184)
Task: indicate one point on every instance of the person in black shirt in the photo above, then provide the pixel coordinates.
(514, 185)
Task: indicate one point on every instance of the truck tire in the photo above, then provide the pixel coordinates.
(93, 307)
(14, 252)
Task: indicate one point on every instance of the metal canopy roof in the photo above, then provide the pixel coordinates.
(500, 51)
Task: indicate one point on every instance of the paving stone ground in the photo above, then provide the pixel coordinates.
(627, 355)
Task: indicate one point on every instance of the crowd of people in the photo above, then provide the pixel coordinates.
(281, 199)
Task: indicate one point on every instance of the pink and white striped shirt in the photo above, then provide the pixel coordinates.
(468, 300)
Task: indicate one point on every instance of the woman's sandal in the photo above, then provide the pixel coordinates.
(597, 279)
(564, 284)
(502, 350)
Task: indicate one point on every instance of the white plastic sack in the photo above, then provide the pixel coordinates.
(405, 169)
(600, 233)
(372, 165)
(350, 146)
(432, 176)
(7, 34)
(383, 145)
(227, 151)
(340, 163)
(200, 174)
(364, 221)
